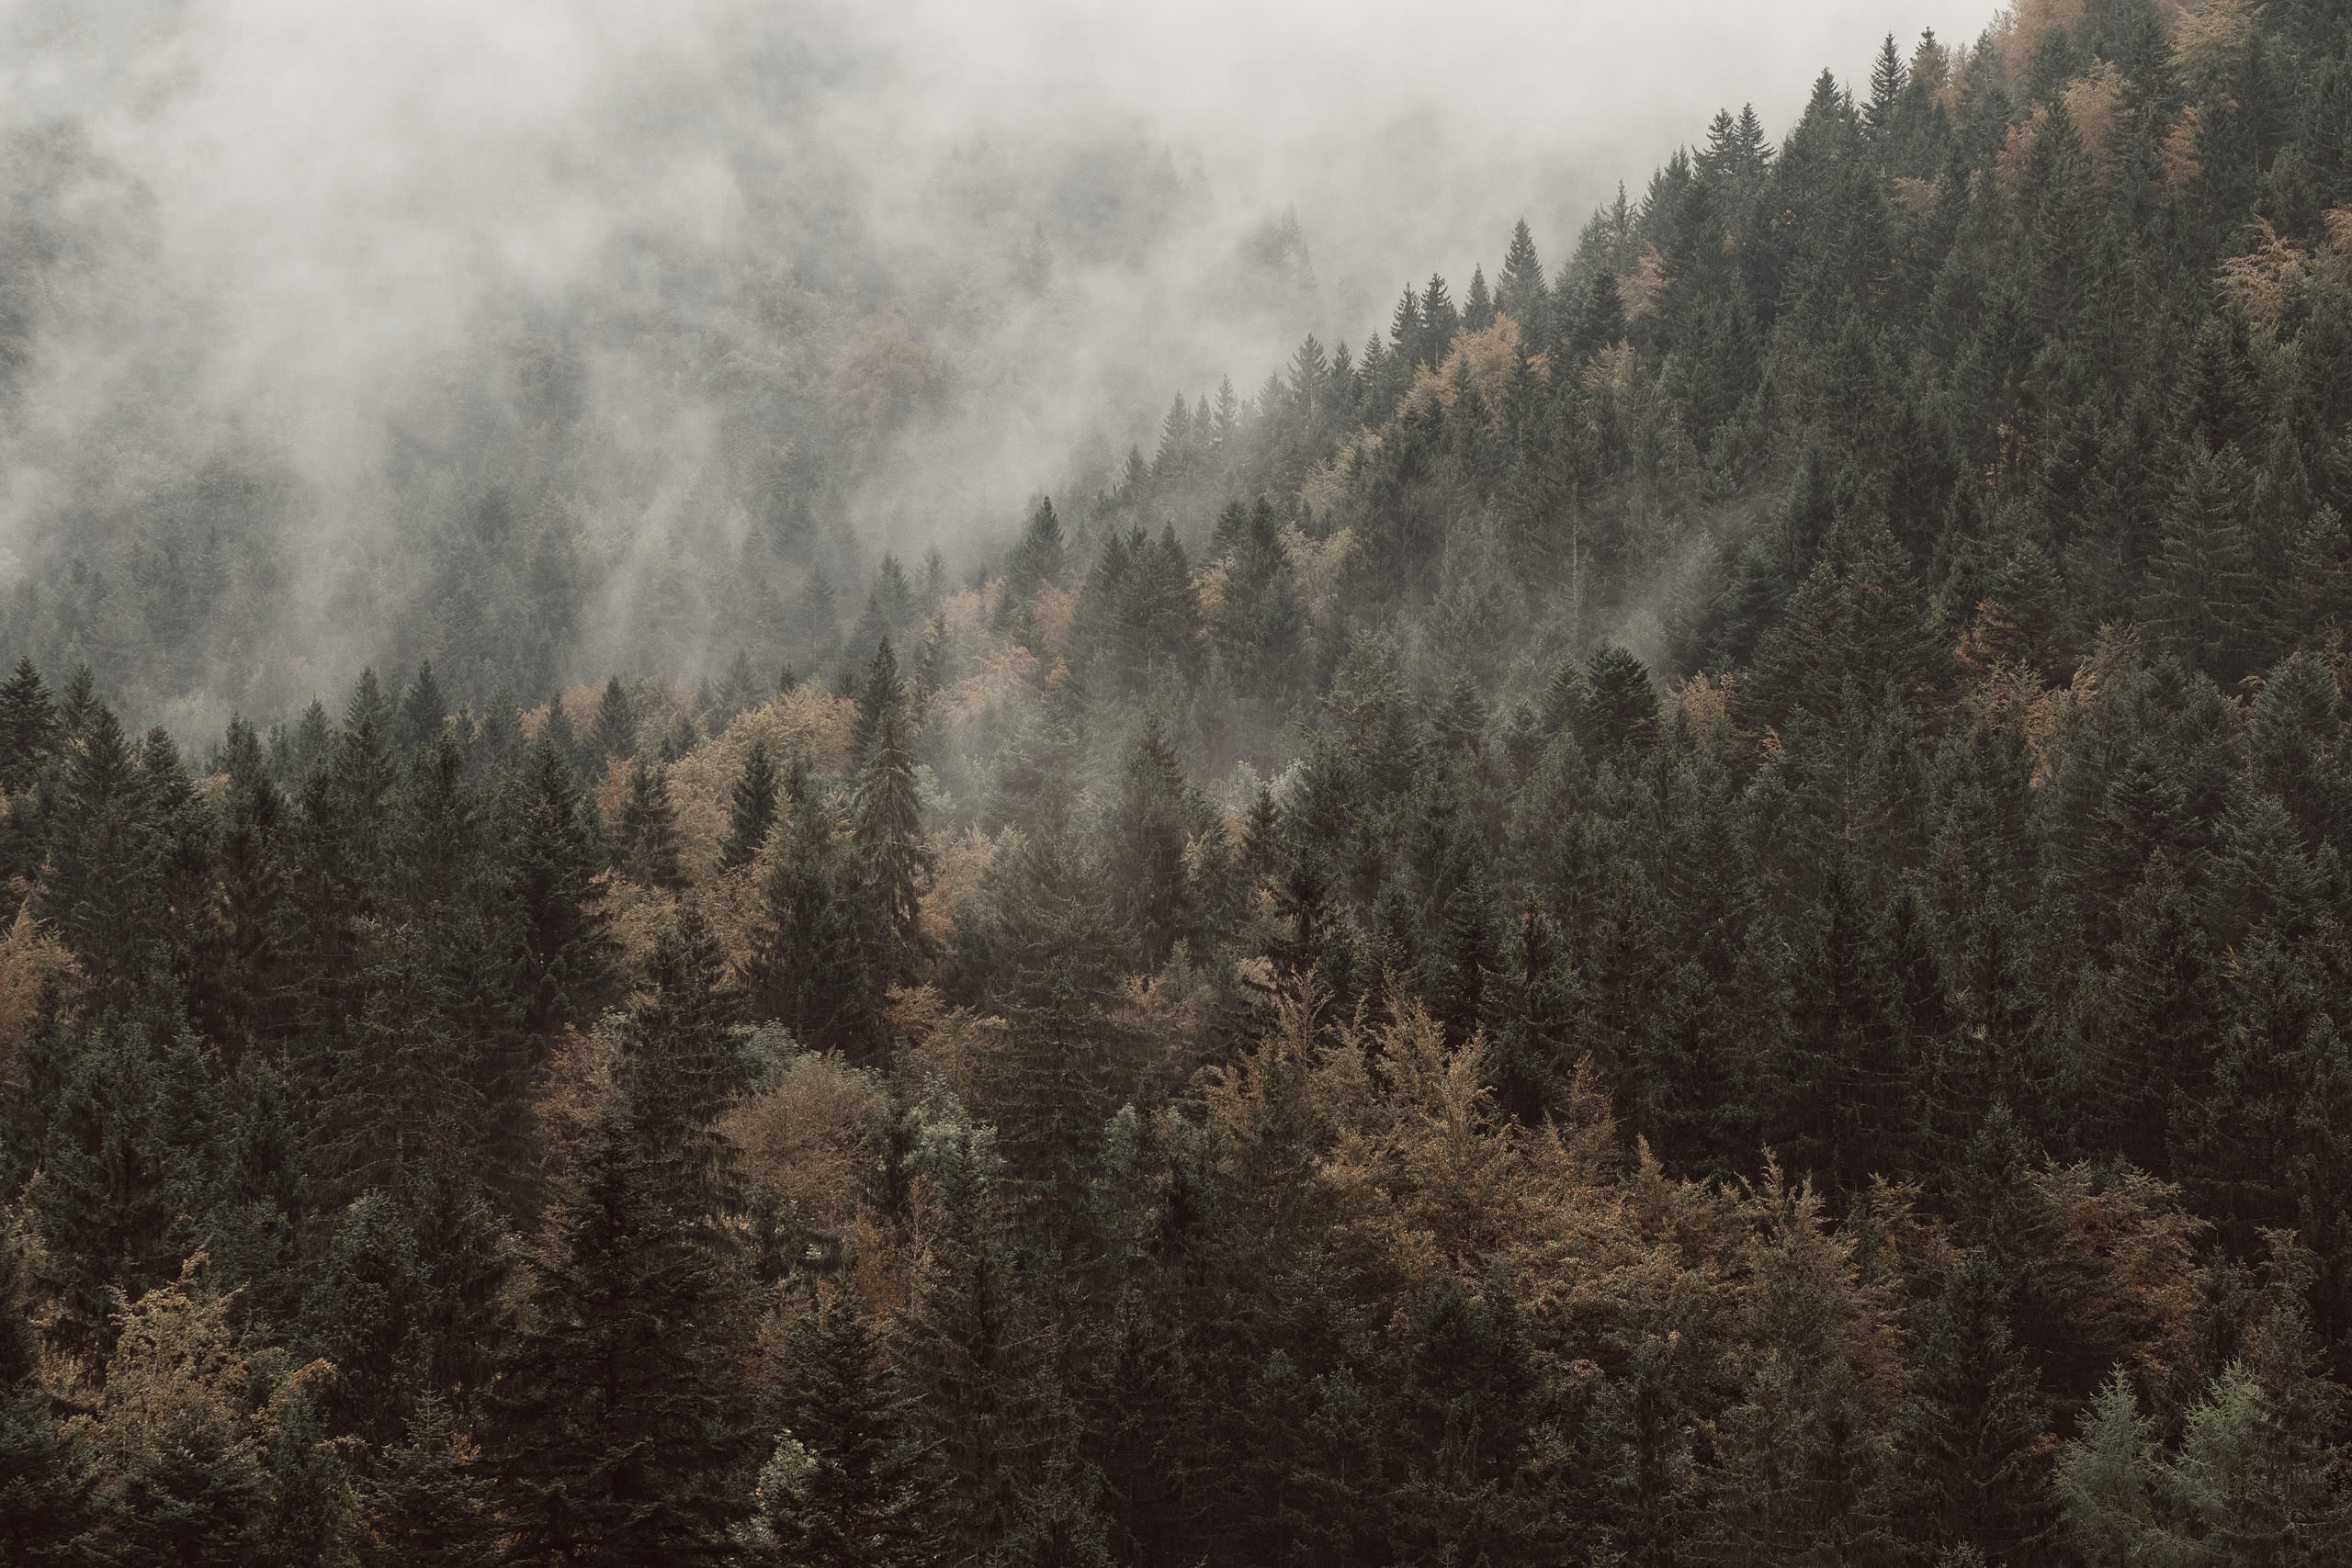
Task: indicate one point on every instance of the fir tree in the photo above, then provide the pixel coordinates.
(29, 728)
(1520, 292)
(645, 839)
(751, 809)
(847, 1485)
(613, 738)
(623, 1433)
(892, 853)
(549, 900)
(422, 712)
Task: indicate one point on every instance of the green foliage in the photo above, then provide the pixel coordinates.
(1277, 1038)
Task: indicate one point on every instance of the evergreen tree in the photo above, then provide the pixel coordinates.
(645, 839)
(549, 897)
(613, 738)
(422, 712)
(807, 968)
(846, 1487)
(29, 728)
(44, 1501)
(1037, 558)
(1979, 1439)
(751, 809)
(893, 854)
(1157, 815)
(1520, 291)
(623, 1433)
(1478, 305)
(1618, 708)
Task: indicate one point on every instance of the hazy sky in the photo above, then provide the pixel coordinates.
(400, 150)
(1403, 133)
(294, 225)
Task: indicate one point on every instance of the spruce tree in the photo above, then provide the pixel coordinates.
(624, 1429)
(645, 839)
(751, 809)
(106, 871)
(847, 1485)
(1038, 557)
(1520, 289)
(613, 738)
(808, 965)
(1978, 1435)
(893, 855)
(29, 728)
(1533, 1022)
(1478, 305)
(1620, 709)
(550, 902)
(422, 712)
(557, 736)
(881, 691)
(44, 1497)
(1158, 814)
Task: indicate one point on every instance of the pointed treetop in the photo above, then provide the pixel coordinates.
(1520, 288)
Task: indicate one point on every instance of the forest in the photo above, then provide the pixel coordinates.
(1689, 909)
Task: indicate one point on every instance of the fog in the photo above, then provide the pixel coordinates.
(289, 287)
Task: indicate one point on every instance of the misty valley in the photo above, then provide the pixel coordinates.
(713, 856)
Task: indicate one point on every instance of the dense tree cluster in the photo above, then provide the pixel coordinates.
(1691, 912)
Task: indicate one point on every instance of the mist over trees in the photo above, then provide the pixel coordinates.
(1688, 907)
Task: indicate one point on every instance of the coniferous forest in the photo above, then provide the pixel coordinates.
(1691, 908)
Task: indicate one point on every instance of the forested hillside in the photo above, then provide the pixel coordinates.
(1690, 910)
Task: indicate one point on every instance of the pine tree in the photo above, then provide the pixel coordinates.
(751, 809)
(1520, 292)
(1524, 1050)
(1887, 77)
(624, 1429)
(557, 736)
(1464, 964)
(895, 857)
(1978, 1440)
(1478, 305)
(645, 840)
(1439, 321)
(846, 1486)
(613, 738)
(422, 712)
(29, 728)
(881, 691)
(1620, 709)
(807, 968)
(1038, 557)
(44, 1499)
(1405, 330)
(1158, 814)
(106, 873)
(251, 870)
(80, 703)
(963, 1339)
(429, 1501)
(548, 894)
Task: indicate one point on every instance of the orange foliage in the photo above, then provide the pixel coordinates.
(804, 721)
(808, 1139)
(1488, 357)
(1642, 289)
(936, 1043)
(25, 955)
(962, 862)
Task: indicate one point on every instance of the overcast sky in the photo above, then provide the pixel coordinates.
(305, 219)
